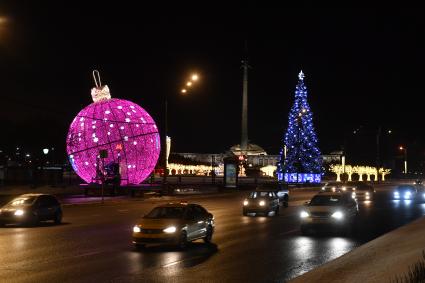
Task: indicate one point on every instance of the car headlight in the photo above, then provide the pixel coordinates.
(262, 203)
(338, 215)
(344, 188)
(323, 188)
(19, 212)
(304, 214)
(353, 195)
(245, 202)
(367, 193)
(170, 230)
(136, 229)
(407, 195)
(396, 194)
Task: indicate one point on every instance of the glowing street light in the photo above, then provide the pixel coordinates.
(3, 27)
(190, 83)
(405, 158)
(193, 78)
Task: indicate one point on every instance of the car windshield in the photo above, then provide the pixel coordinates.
(22, 201)
(259, 194)
(333, 184)
(359, 186)
(321, 200)
(166, 212)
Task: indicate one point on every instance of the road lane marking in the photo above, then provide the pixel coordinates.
(180, 261)
(289, 232)
(87, 254)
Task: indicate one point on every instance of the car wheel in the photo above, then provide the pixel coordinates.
(58, 218)
(285, 202)
(346, 230)
(33, 221)
(139, 246)
(304, 230)
(183, 240)
(208, 235)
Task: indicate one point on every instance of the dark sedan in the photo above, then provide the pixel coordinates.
(30, 209)
(409, 192)
(263, 202)
(362, 190)
(281, 190)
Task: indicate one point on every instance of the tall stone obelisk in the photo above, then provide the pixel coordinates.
(244, 137)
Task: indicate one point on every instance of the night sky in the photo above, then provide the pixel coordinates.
(363, 64)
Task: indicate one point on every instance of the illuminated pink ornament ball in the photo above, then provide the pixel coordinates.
(123, 128)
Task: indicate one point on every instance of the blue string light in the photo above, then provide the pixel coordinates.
(303, 159)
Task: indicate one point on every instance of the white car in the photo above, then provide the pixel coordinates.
(331, 210)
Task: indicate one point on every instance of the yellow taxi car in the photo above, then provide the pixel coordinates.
(174, 223)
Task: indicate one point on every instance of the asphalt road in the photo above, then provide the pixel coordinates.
(94, 244)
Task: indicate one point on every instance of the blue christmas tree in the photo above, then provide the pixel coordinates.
(303, 162)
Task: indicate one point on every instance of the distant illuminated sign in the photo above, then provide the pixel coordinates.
(300, 177)
(230, 175)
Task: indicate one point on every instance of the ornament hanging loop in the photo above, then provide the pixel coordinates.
(99, 93)
(96, 77)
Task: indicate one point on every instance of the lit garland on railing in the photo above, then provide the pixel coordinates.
(369, 171)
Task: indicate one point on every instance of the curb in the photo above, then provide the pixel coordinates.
(153, 199)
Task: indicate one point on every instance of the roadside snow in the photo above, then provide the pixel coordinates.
(380, 260)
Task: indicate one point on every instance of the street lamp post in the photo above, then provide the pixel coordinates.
(44, 164)
(378, 144)
(164, 176)
(405, 158)
(193, 78)
(378, 135)
(378, 140)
